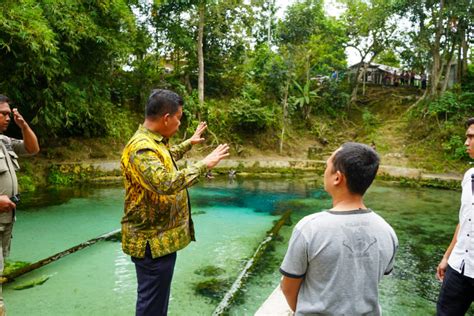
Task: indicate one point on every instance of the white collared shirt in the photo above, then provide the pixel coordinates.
(463, 252)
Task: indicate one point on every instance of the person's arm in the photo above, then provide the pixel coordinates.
(294, 267)
(29, 137)
(443, 265)
(153, 174)
(290, 288)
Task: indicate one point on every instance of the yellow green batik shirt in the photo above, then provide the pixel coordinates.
(156, 199)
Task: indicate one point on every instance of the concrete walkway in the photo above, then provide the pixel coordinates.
(275, 305)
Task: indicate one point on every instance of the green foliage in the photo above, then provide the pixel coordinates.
(455, 148)
(302, 19)
(370, 121)
(334, 97)
(452, 106)
(11, 266)
(248, 116)
(468, 80)
(269, 70)
(209, 271)
(26, 183)
(213, 288)
(67, 174)
(305, 98)
(32, 283)
(388, 57)
(60, 56)
(56, 177)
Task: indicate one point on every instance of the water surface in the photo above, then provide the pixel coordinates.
(231, 219)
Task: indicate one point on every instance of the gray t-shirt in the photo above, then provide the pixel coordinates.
(342, 257)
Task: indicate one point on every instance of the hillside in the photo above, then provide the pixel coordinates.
(380, 117)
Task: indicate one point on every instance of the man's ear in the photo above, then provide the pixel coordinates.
(165, 118)
(338, 178)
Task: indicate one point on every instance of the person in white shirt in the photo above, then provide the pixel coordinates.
(456, 269)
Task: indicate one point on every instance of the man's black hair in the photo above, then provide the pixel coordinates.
(469, 122)
(359, 164)
(161, 102)
(4, 99)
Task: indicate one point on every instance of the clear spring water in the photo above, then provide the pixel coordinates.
(231, 219)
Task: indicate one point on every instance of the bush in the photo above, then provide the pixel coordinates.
(455, 148)
(370, 121)
(248, 117)
(452, 106)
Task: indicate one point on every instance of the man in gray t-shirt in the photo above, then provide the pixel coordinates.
(336, 258)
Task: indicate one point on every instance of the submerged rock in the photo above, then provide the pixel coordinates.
(209, 271)
(213, 288)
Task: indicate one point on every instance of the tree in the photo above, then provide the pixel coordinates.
(388, 57)
(370, 31)
(307, 54)
(60, 56)
(442, 29)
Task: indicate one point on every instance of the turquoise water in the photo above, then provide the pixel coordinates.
(424, 220)
(231, 219)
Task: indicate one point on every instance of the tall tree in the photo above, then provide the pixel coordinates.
(60, 56)
(302, 42)
(442, 28)
(201, 13)
(370, 31)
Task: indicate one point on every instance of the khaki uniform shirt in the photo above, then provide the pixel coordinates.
(156, 207)
(10, 148)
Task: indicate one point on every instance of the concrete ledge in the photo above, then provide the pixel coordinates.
(275, 305)
(400, 171)
(242, 165)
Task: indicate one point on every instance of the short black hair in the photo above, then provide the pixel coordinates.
(469, 122)
(161, 102)
(4, 99)
(359, 163)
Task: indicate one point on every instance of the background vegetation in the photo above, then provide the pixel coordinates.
(83, 69)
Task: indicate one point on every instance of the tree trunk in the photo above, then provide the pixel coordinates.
(437, 68)
(448, 68)
(465, 48)
(285, 110)
(202, 10)
(358, 77)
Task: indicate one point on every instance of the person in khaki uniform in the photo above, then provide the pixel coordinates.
(10, 149)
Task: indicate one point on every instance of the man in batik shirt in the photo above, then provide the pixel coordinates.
(157, 218)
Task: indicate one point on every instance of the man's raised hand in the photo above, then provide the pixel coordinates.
(217, 155)
(197, 137)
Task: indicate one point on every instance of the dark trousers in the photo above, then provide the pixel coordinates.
(456, 295)
(154, 283)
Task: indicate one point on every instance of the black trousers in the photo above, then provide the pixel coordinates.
(456, 295)
(154, 283)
